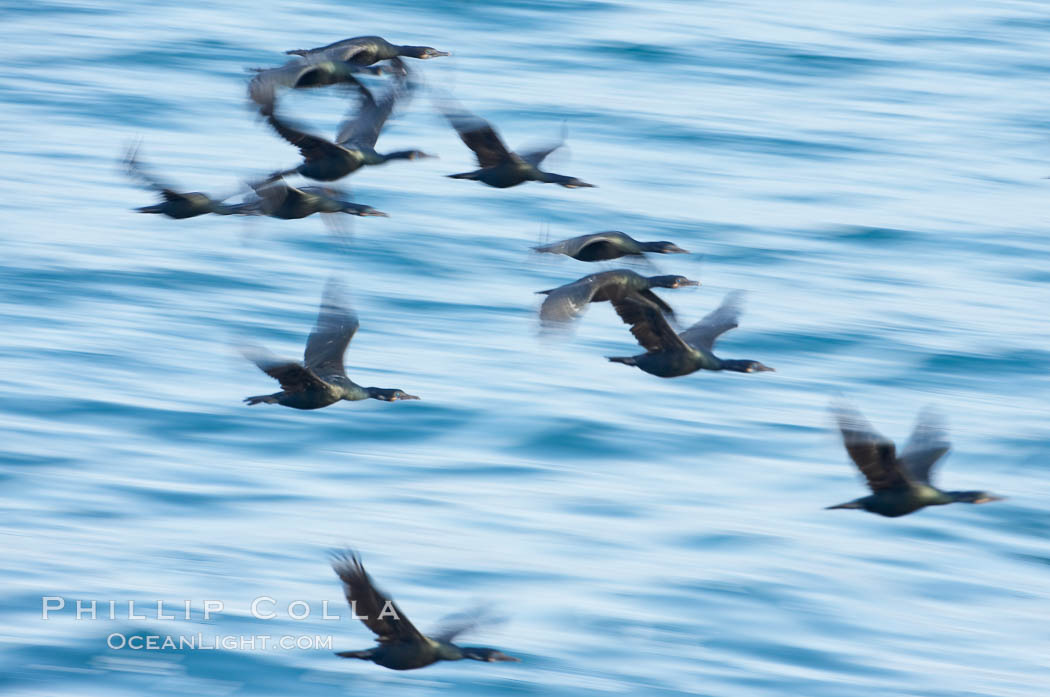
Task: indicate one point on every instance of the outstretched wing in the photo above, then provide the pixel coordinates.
(308, 71)
(362, 130)
(703, 334)
(874, 454)
(648, 324)
(566, 303)
(575, 245)
(477, 134)
(927, 444)
(536, 157)
(461, 622)
(369, 603)
(310, 146)
(137, 171)
(273, 195)
(293, 376)
(336, 326)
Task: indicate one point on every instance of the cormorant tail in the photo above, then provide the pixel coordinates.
(365, 654)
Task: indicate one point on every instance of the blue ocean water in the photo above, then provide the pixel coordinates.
(870, 173)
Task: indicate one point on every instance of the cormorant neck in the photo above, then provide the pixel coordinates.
(552, 178)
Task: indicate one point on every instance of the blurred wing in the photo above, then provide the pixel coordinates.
(272, 196)
(704, 333)
(648, 324)
(575, 245)
(566, 303)
(368, 602)
(362, 130)
(874, 454)
(461, 622)
(927, 444)
(136, 171)
(311, 147)
(336, 326)
(293, 376)
(309, 71)
(477, 134)
(536, 157)
(649, 296)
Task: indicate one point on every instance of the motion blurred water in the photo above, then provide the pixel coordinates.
(869, 172)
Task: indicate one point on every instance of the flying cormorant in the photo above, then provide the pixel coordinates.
(567, 302)
(900, 484)
(669, 354)
(320, 380)
(500, 167)
(401, 645)
(603, 246)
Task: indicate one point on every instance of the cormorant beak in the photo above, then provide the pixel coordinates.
(988, 498)
(686, 282)
(848, 504)
(579, 185)
(675, 249)
(762, 369)
(404, 396)
(435, 53)
(375, 213)
(423, 156)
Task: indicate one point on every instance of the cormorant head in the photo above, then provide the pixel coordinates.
(671, 282)
(422, 52)
(388, 395)
(488, 655)
(664, 248)
(973, 497)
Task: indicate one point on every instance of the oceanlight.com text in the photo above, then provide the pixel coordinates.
(228, 642)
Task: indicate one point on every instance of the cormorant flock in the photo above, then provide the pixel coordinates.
(900, 482)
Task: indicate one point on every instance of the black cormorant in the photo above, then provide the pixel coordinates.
(366, 50)
(354, 146)
(669, 354)
(401, 645)
(281, 200)
(500, 167)
(320, 380)
(176, 204)
(569, 301)
(900, 484)
(602, 246)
